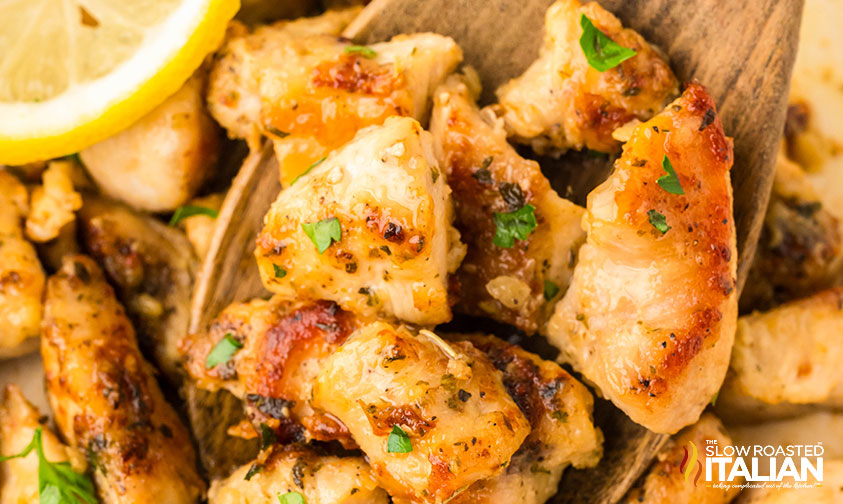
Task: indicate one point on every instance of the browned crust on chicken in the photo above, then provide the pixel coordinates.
(104, 396)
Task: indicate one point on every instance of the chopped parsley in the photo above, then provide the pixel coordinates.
(366, 52)
(268, 437)
(323, 233)
(511, 225)
(185, 211)
(714, 399)
(277, 132)
(670, 182)
(550, 290)
(398, 441)
(222, 351)
(58, 483)
(291, 498)
(279, 271)
(302, 174)
(601, 52)
(658, 221)
(254, 469)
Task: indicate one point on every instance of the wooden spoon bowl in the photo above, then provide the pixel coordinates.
(743, 52)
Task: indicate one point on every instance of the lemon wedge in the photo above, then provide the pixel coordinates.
(73, 72)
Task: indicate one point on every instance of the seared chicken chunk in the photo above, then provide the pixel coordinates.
(311, 91)
(320, 479)
(159, 162)
(558, 408)
(822, 427)
(21, 274)
(104, 395)
(562, 103)
(200, 228)
(152, 267)
(650, 315)
(369, 228)
(665, 481)
(53, 203)
(811, 368)
(284, 346)
(431, 417)
(511, 282)
(800, 250)
(19, 476)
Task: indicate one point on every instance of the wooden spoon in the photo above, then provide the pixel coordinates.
(742, 51)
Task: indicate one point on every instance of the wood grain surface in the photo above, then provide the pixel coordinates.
(229, 274)
(742, 51)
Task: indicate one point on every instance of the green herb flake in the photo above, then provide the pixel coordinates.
(714, 399)
(222, 351)
(314, 165)
(511, 225)
(276, 132)
(550, 290)
(398, 441)
(254, 469)
(58, 483)
(561, 416)
(658, 221)
(366, 52)
(279, 271)
(291, 498)
(323, 233)
(185, 211)
(670, 182)
(601, 52)
(268, 437)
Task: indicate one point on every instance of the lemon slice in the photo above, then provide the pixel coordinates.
(73, 72)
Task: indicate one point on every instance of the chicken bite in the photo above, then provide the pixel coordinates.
(809, 372)
(159, 162)
(310, 91)
(283, 347)
(800, 250)
(369, 228)
(53, 203)
(650, 315)
(431, 417)
(562, 103)
(514, 281)
(152, 267)
(319, 479)
(19, 476)
(666, 483)
(104, 395)
(558, 408)
(21, 275)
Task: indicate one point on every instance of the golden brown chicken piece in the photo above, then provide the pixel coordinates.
(800, 251)
(558, 408)
(320, 479)
(21, 274)
(822, 427)
(159, 162)
(200, 228)
(514, 282)
(650, 315)
(152, 266)
(369, 228)
(809, 371)
(53, 203)
(19, 476)
(284, 345)
(562, 103)
(666, 483)
(104, 395)
(443, 405)
(310, 91)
